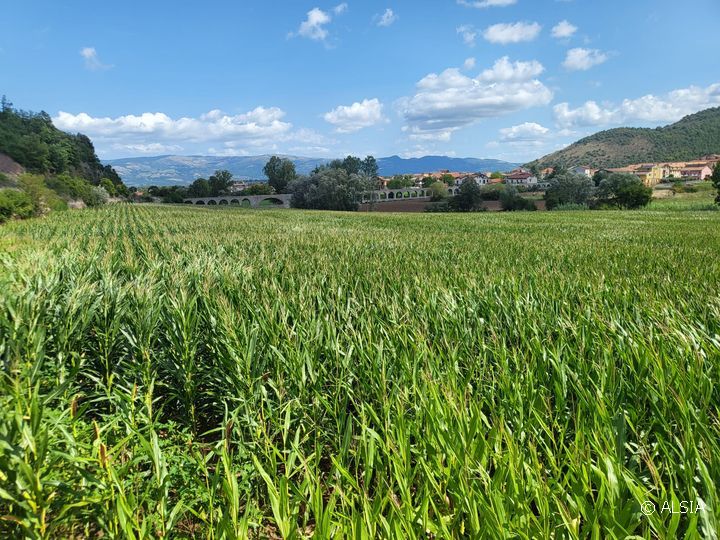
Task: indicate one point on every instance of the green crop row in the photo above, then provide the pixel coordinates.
(191, 373)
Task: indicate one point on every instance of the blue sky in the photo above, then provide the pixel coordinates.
(511, 79)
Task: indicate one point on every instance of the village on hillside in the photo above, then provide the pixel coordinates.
(651, 174)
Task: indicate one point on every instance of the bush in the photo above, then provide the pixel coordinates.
(108, 186)
(15, 204)
(439, 191)
(439, 207)
(492, 192)
(511, 201)
(568, 188)
(468, 198)
(328, 188)
(624, 191)
(43, 198)
(97, 196)
(5, 181)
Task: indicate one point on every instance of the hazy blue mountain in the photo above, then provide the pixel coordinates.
(396, 165)
(169, 170)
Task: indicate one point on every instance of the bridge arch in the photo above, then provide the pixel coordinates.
(270, 201)
(212, 202)
(234, 202)
(200, 202)
(223, 201)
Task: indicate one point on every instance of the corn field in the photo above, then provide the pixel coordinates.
(172, 372)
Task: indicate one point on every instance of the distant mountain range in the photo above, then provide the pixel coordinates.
(182, 170)
(692, 137)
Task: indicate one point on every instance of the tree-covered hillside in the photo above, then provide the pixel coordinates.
(690, 138)
(34, 142)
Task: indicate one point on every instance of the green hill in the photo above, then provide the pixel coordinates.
(692, 137)
(32, 141)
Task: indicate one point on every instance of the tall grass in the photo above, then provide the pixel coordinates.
(188, 373)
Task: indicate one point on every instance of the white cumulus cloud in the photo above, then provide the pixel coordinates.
(446, 102)
(387, 18)
(649, 109)
(580, 59)
(563, 30)
(518, 32)
(468, 34)
(315, 24)
(486, 3)
(92, 60)
(469, 63)
(359, 115)
(155, 132)
(526, 132)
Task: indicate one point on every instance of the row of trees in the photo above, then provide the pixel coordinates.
(336, 186)
(604, 190)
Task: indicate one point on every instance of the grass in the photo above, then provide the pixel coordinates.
(226, 373)
(702, 199)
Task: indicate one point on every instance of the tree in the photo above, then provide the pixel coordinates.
(599, 176)
(280, 172)
(352, 165)
(5, 105)
(439, 191)
(257, 189)
(400, 181)
(428, 181)
(496, 175)
(369, 167)
(715, 178)
(199, 188)
(469, 197)
(219, 182)
(448, 179)
(624, 190)
(568, 188)
(328, 189)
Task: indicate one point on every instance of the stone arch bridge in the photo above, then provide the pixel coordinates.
(385, 195)
(283, 201)
(247, 201)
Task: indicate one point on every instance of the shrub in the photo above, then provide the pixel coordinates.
(5, 181)
(328, 189)
(468, 199)
(439, 191)
(492, 192)
(15, 204)
(439, 207)
(624, 191)
(512, 201)
(568, 188)
(97, 196)
(43, 198)
(108, 186)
